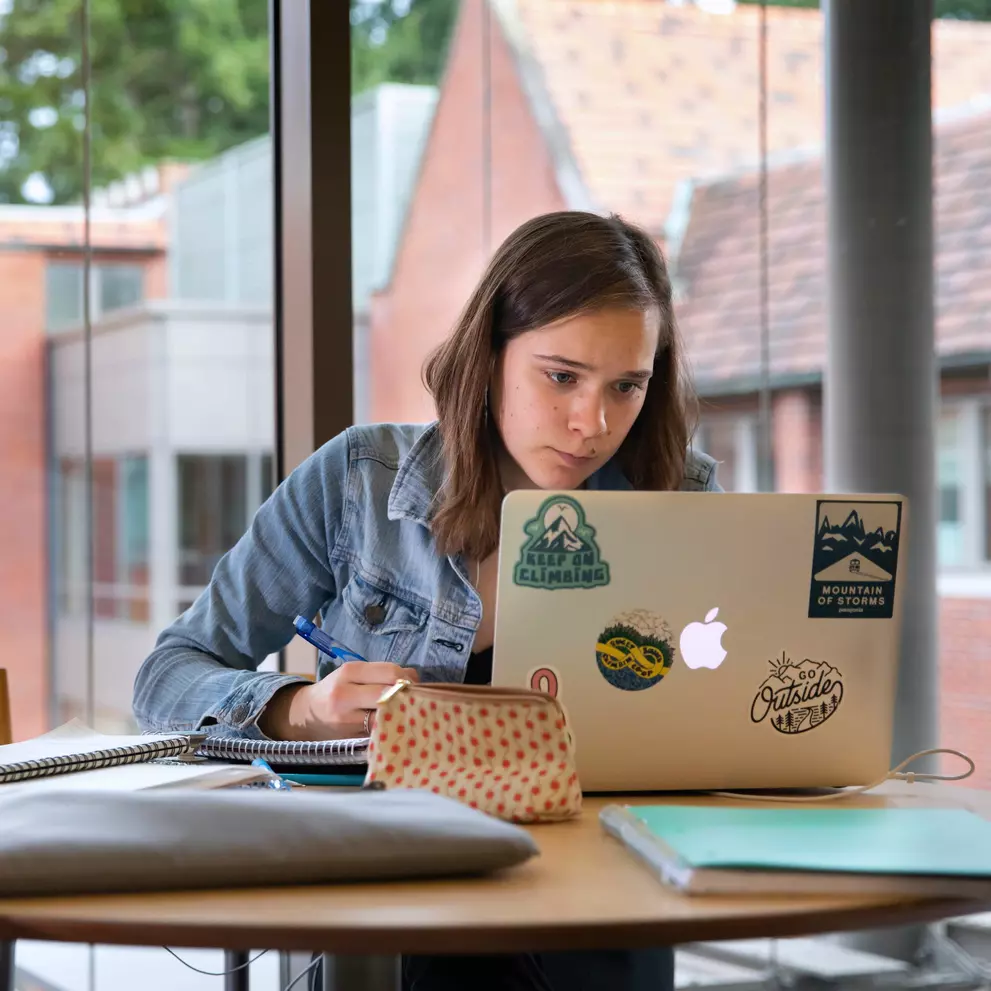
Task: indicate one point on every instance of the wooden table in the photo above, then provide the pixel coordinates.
(584, 891)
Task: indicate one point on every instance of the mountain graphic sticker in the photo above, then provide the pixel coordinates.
(855, 559)
(560, 551)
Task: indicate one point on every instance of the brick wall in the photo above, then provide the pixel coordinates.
(965, 684)
(797, 441)
(442, 253)
(23, 524)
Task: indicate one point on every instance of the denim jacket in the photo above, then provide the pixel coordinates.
(346, 535)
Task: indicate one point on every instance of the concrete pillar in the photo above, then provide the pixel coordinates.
(880, 385)
(881, 380)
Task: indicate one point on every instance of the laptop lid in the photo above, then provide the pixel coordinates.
(707, 641)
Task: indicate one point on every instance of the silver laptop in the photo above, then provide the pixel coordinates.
(704, 641)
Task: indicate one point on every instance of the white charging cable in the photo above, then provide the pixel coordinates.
(895, 774)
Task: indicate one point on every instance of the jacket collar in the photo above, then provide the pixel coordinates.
(419, 479)
(421, 475)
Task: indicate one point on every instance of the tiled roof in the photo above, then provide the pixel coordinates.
(640, 94)
(718, 264)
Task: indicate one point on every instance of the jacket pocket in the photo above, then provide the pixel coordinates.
(377, 612)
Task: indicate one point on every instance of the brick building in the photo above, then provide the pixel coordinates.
(41, 267)
(650, 109)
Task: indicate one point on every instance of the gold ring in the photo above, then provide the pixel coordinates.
(365, 726)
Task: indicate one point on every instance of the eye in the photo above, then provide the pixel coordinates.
(629, 388)
(561, 378)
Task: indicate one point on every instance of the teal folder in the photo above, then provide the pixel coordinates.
(829, 850)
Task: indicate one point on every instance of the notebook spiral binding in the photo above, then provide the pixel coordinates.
(350, 751)
(111, 757)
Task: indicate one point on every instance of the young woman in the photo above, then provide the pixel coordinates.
(563, 372)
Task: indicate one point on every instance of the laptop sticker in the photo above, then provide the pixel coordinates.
(795, 698)
(701, 644)
(635, 651)
(545, 680)
(855, 559)
(560, 551)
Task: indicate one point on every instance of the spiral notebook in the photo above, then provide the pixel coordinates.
(325, 753)
(75, 747)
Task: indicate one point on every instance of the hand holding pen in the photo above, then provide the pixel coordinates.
(343, 703)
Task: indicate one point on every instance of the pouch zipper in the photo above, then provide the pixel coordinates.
(474, 691)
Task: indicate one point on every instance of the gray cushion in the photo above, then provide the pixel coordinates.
(154, 840)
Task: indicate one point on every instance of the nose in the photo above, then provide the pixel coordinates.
(587, 415)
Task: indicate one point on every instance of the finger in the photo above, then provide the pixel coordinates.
(359, 697)
(352, 724)
(373, 672)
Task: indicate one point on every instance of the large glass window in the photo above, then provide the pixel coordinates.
(112, 287)
(137, 342)
(655, 110)
(119, 286)
(63, 295)
(212, 512)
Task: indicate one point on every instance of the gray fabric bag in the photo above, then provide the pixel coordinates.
(89, 841)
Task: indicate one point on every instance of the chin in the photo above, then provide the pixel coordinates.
(559, 476)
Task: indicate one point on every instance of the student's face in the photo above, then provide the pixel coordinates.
(565, 396)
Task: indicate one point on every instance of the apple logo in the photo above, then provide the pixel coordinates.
(701, 643)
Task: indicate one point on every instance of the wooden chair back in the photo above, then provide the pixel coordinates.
(6, 734)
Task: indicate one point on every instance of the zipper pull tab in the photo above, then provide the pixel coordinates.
(393, 690)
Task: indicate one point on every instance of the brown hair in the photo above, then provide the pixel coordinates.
(551, 267)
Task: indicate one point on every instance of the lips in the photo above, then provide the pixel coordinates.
(574, 460)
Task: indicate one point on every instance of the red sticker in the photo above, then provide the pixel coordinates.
(545, 680)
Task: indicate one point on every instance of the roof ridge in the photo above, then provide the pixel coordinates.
(570, 180)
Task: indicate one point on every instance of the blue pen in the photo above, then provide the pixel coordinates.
(276, 781)
(325, 643)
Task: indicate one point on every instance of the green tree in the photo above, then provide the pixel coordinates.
(399, 41)
(970, 10)
(170, 79)
(187, 79)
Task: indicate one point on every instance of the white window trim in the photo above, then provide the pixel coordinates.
(971, 579)
(963, 585)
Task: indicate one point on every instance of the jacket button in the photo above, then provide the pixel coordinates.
(375, 614)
